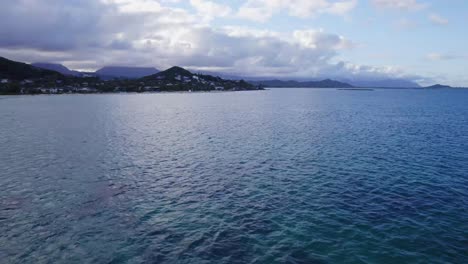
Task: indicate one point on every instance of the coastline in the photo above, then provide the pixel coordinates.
(124, 93)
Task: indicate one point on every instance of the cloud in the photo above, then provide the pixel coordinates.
(50, 25)
(341, 8)
(399, 4)
(89, 34)
(314, 38)
(210, 10)
(234, 49)
(135, 6)
(444, 57)
(348, 71)
(70, 24)
(438, 20)
(263, 10)
(405, 24)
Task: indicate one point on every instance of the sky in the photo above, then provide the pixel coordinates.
(418, 40)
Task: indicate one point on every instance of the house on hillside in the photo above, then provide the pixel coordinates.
(151, 89)
(49, 90)
(86, 90)
(27, 82)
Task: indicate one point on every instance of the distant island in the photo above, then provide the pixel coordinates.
(295, 84)
(439, 86)
(43, 78)
(327, 83)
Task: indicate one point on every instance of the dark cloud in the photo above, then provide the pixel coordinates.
(51, 24)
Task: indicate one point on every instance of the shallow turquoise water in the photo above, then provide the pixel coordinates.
(279, 176)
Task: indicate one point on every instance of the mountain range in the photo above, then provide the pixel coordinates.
(19, 71)
(106, 73)
(121, 72)
(112, 72)
(22, 78)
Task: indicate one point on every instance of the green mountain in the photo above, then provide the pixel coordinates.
(180, 79)
(171, 74)
(13, 70)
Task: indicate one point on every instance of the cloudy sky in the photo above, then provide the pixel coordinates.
(419, 40)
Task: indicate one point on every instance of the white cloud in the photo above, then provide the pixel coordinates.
(318, 39)
(209, 9)
(135, 5)
(444, 57)
(341, 8)
(405, 23)
(263, 10)
(438, 20)
(399, 4)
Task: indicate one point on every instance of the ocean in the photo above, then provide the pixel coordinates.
(276, 176)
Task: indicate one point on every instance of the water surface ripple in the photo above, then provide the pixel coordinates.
(279, 176)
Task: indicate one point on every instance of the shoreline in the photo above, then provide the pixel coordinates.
(122, 93)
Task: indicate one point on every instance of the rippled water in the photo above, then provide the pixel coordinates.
(279, 176)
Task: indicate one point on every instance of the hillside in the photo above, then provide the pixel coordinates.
(19, 71)
(295, 84)
(171, 74)
(180, 79)
(56, 67)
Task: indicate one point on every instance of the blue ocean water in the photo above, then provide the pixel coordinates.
(278, 176)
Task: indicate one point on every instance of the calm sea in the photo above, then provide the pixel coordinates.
(278, 176)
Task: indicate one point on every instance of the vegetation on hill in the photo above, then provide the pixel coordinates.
(170, 74)
(13, 70)
(179, 79)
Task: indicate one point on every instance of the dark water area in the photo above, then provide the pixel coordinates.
(278, 176)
